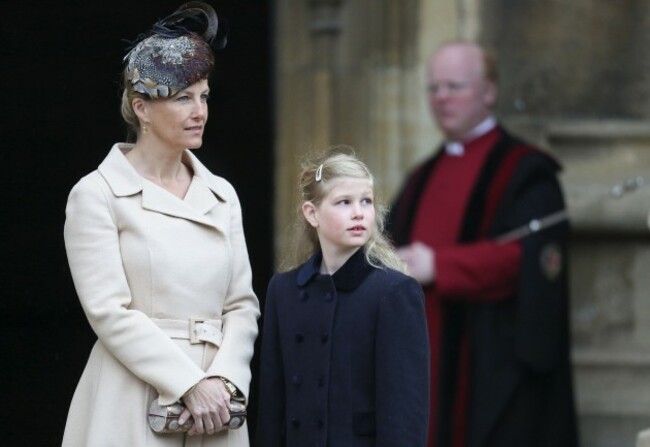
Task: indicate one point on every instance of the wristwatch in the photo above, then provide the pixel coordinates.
(230, 387)
(237, 405)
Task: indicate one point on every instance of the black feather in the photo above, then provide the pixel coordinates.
(193, 17)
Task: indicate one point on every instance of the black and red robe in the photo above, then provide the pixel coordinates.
(497, 313)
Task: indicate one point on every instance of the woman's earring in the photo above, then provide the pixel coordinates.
(144, 129)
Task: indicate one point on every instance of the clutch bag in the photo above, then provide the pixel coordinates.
(164, 419)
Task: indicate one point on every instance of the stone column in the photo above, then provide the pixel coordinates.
(324, 28)
(306, 48)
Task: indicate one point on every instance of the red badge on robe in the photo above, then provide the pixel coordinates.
(551, 261)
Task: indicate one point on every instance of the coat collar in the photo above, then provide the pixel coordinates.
(204, 194)
(347, 278)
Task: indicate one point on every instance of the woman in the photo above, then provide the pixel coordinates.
(344, 348)
(159, 261)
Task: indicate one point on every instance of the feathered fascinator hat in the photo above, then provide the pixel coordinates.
(176, 52)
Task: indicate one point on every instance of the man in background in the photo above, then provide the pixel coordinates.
(482, 227)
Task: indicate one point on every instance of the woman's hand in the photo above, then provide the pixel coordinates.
(208, 404)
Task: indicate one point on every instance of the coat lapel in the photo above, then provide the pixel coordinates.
(159, 200)
(200, 197)
(204, 194)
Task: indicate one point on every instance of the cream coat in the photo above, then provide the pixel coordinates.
(141, 258)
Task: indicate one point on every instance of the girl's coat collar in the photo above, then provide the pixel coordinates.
(347, 278)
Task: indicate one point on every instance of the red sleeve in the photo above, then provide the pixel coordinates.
(484, 271)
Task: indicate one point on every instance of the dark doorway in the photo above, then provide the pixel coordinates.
(60, 115)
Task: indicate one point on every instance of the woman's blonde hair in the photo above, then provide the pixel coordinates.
(318, 169)
(126, 108)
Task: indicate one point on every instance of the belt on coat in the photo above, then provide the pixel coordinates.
(196, 330)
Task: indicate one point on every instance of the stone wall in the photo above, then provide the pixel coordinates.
(571, 58)
(606, 181)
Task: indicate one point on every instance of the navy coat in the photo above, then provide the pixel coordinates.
(344, 359)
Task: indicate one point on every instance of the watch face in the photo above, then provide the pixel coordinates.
(232, 389)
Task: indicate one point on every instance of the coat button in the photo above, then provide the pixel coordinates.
(328, 296)
(321, 381)
(304, 295)
(295, 422)
(299, 337)
(320, 423)
(324, 338)
(296, 380)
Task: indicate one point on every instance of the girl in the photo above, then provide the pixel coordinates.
(344, 358)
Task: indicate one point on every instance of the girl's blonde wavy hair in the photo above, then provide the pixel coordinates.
(333, 163)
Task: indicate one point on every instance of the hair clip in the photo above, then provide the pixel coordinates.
(319, 173)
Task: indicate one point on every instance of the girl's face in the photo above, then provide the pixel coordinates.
(179, 121)
(345, 218)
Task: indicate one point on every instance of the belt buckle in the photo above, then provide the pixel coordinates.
(193, 322)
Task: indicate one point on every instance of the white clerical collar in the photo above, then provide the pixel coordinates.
(456, 149)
